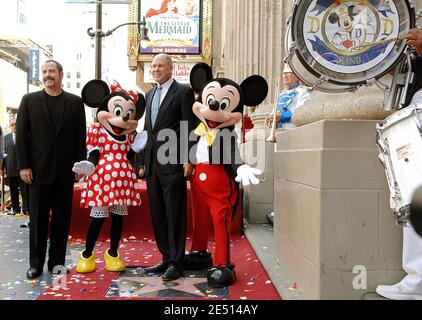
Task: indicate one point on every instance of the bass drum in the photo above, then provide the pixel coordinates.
(336, 46)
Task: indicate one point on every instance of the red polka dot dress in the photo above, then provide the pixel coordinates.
(114, 181)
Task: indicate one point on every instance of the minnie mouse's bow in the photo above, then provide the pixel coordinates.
(115, 87)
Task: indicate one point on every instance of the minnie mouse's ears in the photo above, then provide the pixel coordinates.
(94, 92)
(255, 90)
(200, 74)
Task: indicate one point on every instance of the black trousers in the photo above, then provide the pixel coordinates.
(167, 201)
(15, 185)
(56, 198)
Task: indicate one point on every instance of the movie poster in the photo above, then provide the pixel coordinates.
(174, 26)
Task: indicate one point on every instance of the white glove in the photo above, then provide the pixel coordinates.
(247, 175)
(84, 167)
(140, 141)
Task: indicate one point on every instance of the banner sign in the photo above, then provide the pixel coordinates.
(174, 26)
(181, 72)
(34, 66)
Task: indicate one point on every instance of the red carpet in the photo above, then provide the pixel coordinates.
(138, 222)
(252, 282)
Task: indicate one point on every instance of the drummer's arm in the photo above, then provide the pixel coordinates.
(414, 39)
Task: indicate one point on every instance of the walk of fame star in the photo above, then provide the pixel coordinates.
(136, 284)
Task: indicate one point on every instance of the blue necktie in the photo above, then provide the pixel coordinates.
(155, 106)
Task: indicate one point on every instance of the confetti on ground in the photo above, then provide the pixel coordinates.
(134, 252)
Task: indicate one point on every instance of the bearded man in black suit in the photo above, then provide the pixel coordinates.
(50, 138)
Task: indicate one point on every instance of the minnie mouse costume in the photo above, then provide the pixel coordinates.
(110, 183)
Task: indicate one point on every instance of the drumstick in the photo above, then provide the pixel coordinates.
(366, 45)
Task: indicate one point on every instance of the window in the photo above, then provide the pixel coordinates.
(78, 75)
(68, 75)
(68, 85)
(78, 85)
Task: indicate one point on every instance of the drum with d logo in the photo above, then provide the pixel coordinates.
(337, 45)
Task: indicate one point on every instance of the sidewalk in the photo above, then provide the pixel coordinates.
(14, 244)
(260, 237)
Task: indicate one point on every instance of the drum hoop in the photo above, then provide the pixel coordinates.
(332, 80)
(403, 114)
(341, 89)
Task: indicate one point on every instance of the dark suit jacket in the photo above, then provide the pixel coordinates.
(11, 161)
(50, 154)
(169, 117)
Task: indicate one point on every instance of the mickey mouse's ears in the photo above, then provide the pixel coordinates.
(255, 90)
(200, 74)
(94, 92)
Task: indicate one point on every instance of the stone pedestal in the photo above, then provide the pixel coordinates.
(258, 200)
(332, 210)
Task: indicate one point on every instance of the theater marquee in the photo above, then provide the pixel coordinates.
(176, 27)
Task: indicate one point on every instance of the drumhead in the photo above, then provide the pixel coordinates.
(309, 78)
(332, 37)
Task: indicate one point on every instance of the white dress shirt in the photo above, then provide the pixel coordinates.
(166, 86)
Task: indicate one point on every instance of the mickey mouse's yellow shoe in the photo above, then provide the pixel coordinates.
(86, 265)
(113, 263)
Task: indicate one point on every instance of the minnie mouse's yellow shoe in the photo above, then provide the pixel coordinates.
(113, 263)
(86, 265)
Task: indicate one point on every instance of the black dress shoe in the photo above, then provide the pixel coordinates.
(159, 268)
(33, 273)
(172, 273)
(198, 260)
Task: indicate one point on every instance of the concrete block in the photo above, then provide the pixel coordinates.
(297, 217)
(390, 236)
(302, 166)
(349, 134)
(308, 137)
(352, 169)
(299, 269)
(349, 229)
(329, 134)
(339, 285)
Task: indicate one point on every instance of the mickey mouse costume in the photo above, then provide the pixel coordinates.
(111, 183)
(217, 166)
